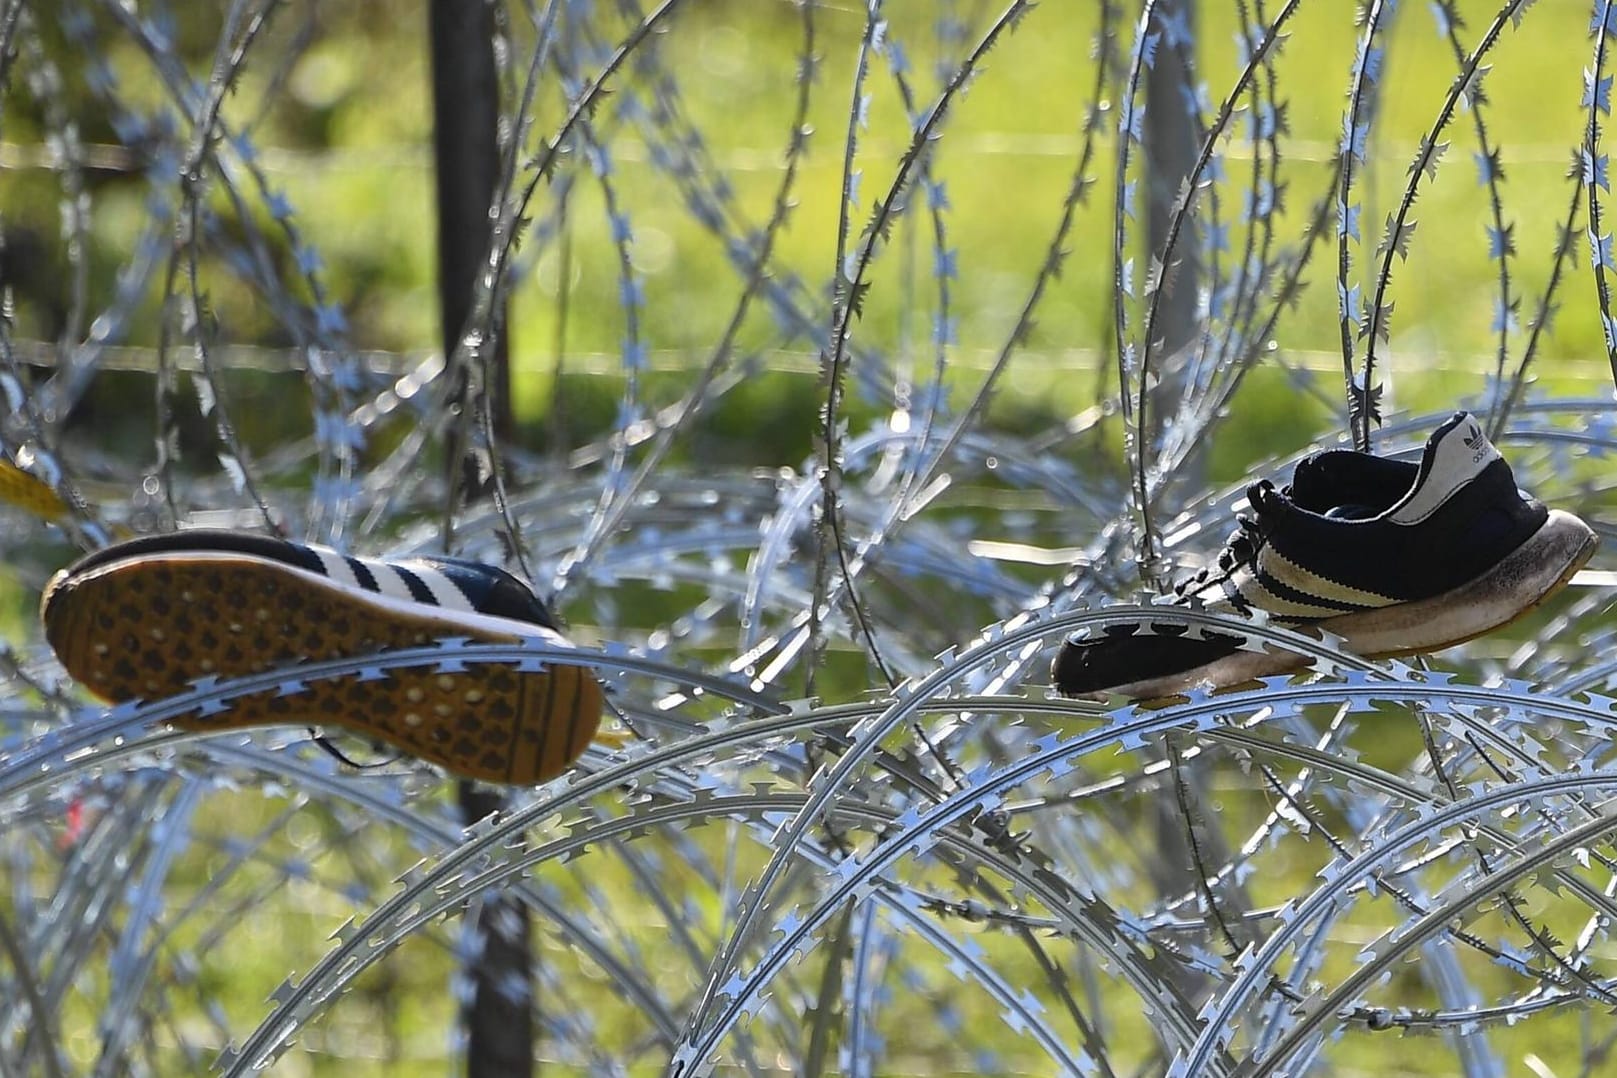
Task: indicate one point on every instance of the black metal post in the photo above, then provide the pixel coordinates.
(1171, 148)
(498, 1017)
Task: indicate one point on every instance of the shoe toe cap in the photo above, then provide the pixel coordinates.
(1134, 659)
(1091, 664)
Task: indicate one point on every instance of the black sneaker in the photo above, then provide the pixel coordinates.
(142, 619)
(1394, 557)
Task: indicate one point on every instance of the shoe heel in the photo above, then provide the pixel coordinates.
(1520, 583)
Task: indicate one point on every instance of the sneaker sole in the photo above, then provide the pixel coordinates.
(147, 627)
(1532, 573)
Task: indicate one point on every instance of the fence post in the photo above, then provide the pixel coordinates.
(498, 1016)
(1172, 144)
(1171, 147)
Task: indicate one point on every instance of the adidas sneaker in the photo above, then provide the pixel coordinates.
(1396, 557)
(142, 619)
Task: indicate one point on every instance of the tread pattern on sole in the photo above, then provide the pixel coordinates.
(145, 628)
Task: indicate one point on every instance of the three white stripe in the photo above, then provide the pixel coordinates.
(1304, 580)
(391, 583)
(1253, 591)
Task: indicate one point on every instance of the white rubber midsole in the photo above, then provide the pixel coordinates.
(1528, 575)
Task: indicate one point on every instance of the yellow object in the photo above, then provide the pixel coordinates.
(23, 490)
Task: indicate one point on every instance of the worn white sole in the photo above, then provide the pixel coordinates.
(1530, 574)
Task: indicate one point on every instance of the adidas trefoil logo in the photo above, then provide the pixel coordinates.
(1475, 442)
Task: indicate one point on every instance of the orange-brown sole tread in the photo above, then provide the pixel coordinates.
(146, 627)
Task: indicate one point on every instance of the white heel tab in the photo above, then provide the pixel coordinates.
(1457, 453)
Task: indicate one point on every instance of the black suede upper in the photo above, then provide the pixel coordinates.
(1481, 523)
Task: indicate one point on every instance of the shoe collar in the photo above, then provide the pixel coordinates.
(1339, 477)
(1404, 492)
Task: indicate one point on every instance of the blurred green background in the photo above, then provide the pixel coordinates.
(339, 98)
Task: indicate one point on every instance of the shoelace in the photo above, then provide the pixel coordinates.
(1242, 547)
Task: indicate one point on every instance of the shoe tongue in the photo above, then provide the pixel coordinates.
(1456, 453)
